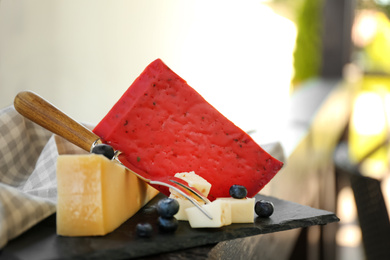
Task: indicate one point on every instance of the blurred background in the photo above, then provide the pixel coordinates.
(267, 65)
(83, 55)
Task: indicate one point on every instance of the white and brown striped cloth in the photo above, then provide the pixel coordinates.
(28, 188)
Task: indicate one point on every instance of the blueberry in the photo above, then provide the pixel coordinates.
(238, 191)
(264, 209)
(144, 229)
(168, 225)
(104, 149)
(167, 207)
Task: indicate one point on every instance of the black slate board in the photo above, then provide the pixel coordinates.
(41, 241)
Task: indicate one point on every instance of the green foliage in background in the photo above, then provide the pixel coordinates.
(307, 54)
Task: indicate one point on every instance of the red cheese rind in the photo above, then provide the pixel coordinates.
(163, 127)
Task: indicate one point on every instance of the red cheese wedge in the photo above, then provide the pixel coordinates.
(163, 127)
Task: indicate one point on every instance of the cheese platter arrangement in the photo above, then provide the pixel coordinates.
(165, 172)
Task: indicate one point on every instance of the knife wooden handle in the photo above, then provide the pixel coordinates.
(40, 111)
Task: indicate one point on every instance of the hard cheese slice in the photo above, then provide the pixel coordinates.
(96, 195)
(163, 126)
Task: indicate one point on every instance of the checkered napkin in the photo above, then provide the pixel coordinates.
(28, 188)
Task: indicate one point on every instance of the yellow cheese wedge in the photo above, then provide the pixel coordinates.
(96, 195)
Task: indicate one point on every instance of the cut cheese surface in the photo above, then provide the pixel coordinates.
(242, 209)
(194, 181)
(163, 127)
(96, 195)
(220, 210)
(183, 205)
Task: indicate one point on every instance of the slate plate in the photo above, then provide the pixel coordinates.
(41, 241)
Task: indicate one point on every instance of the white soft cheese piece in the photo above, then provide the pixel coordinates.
(195, 181)
(220, 210)
(243, 210)
(183, 205)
